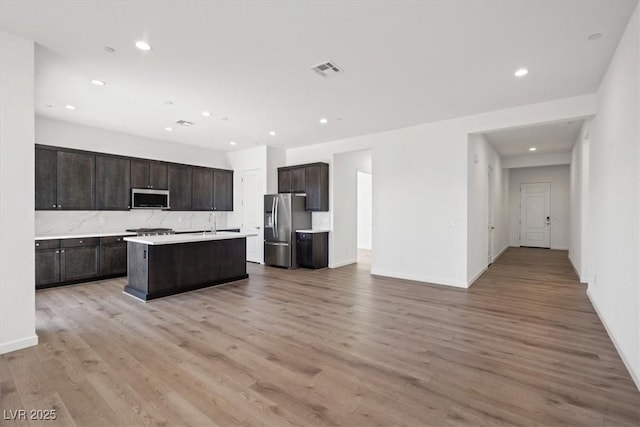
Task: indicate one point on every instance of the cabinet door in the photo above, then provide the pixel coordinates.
(202, 189)
(112, 183)
(284, 180)
(75, 177)
(46, 179)
(139, 174)
(113, 259)
(179, 187)
(222, 190)
(78, 263)
(158, 176)
(304, 250)
(298, 180)
(317, 183)
(47, 267)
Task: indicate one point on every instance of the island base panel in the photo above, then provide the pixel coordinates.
(155, 271)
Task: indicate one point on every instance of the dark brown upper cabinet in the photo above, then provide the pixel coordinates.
(81, 180)
(202, 189)
(113, 183)
(149, 174)
(317, 182)
(292, 180)
(179, 187)
(46, 197)
(222, 190)
(312, 179)
(75, 180)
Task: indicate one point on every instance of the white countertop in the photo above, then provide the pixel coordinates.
(186, 238)
(85, 235)
(318, 230)
(117, 233)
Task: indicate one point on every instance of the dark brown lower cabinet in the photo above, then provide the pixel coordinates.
(79, 259)
(113, 256)
(312, 249)
(47, 262)
(67, 261)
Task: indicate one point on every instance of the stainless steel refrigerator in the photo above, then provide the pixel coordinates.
(284, 214)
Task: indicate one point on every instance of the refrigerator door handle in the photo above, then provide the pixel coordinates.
(276, 243)
(275, 217)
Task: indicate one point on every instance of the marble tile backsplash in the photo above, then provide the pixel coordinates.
(72, 222)
(321, 220)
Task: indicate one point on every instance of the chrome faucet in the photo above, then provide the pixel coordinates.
(213, 229)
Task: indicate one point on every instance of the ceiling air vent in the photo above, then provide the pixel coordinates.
(184, 123)
(327, 69)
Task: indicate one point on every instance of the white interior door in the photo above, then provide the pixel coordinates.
(252, 201)
(490, 225)
(535, 219)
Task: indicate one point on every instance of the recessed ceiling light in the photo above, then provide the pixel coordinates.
(206, 113)
(143, 45)
(109, 49)
(98, 82)
(272, 133)
(232, 143)
(595, 36)
(323, 120)
(70, 107)
(521, 72)
(168, 129)
(532, 149)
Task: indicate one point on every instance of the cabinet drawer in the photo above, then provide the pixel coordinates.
(47, 244)
(70, 243)
(111, 240)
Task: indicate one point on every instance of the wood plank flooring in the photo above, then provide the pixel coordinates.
(523, 346)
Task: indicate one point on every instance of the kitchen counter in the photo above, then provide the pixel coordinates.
(171, 239)
(159, 266)
(84, 235)
(313, 231)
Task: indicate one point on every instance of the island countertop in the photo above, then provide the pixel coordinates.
(171, 239)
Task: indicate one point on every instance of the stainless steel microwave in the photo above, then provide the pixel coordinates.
(143, 198)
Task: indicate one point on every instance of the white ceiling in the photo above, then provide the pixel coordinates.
(405, 63)
(549, 138)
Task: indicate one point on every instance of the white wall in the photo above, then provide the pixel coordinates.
(482, 155)
(343, 248)
(276, 157)
(559, 177)
(17, 265)
(578, 208)
(62, 134)
(420, 184)
(614, 198)
(365, 206)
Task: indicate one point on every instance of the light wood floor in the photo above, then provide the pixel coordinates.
(522, 346)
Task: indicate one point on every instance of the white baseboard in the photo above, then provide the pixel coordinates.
(477, 276)
(500, 253)
(559, 248)
(627, 365)
(573, 264)
(343, 263)
(418, 278)
(7, 347)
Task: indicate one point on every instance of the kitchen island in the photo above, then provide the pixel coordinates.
(159, 266)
